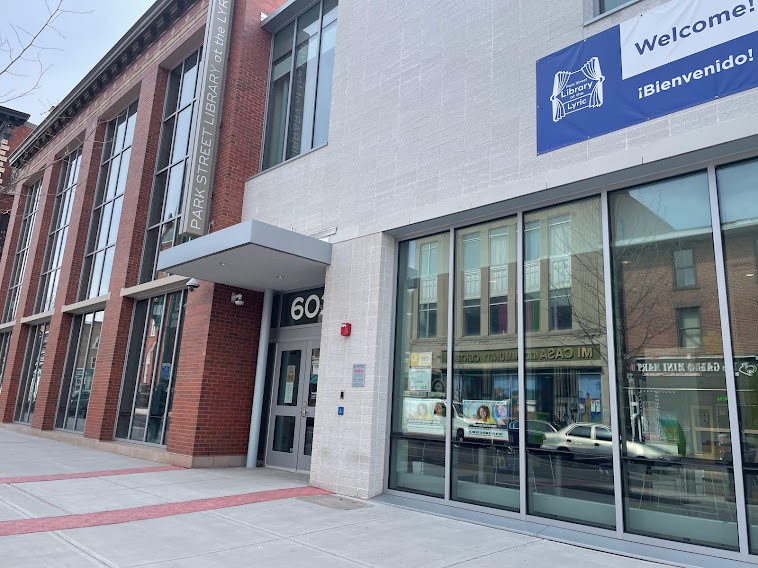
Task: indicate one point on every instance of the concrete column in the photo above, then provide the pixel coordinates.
(349, 451)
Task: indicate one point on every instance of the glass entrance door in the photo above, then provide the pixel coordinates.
(293, 405)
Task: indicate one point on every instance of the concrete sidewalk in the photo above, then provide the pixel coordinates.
(55, 500)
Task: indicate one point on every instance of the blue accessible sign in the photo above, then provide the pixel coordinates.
(679, 55)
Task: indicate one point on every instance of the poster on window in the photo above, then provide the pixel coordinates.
(419, 379)
(675, 56)
(424, 416)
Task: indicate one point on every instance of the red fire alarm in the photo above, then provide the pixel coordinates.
(346, 329)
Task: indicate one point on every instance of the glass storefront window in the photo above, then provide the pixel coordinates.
(80, 369)
(419, 413)
(34, 358)
(737, 187)
(673, 432)
(569, 447)
(5, 342)
(676, 447)
(485, 457)
(149, 377)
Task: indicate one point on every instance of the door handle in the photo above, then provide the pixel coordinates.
(596, 444)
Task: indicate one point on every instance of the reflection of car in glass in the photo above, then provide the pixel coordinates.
(535, 432)
(594, 441)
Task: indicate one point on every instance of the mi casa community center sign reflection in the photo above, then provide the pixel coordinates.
(682, 54)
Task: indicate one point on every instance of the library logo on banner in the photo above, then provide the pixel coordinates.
(577, 90)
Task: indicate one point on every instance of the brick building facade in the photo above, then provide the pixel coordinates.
(212, 372)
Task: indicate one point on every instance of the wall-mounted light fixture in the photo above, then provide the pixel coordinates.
(237, 300)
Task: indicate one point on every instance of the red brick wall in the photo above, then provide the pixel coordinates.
(217, 359)
(216, 371)
(144, 79)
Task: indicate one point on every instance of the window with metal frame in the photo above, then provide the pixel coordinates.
(5, 341)
(300, 85)
(34, 358)
(171, 165)
(684, 268)
(80, 368)
(56, 240)
(22, 251)
(109, 199)
(688, 324)
(149, 376)
(604, 6)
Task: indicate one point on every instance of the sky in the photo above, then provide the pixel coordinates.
(86, 34)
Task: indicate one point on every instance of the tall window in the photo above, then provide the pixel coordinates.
(559, 297)
(739, 224)
(173, 154)
(148, 385)
(80, 368)
(567, 380)
(688, 323)
(532, 241)
(56, 240)
(684, 268)
(22, 252)
(484, 467)
(417, 439)
(5, 341)
(672, 403)
(34, 358)
(109, 199)
(498, 285)
(300, 91)
(472, 284)
(427, 297)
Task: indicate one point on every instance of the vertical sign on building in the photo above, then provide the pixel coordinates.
(197, 192)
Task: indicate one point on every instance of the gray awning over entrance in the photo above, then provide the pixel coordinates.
(252, 255)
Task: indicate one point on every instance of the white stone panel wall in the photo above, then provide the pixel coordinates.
(433, 112)
(349, 451)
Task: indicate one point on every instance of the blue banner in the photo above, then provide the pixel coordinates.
(682, 54)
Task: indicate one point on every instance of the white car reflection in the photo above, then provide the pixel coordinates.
(584, 440)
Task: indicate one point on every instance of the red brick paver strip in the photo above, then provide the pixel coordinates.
(27, 526)
(85, 474)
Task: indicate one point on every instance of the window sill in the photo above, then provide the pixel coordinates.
(610, 12)
(85, 306)
(164, 285)
(41, 317)
(7, 326)
(285, 162)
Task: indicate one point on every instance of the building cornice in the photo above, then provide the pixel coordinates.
(157, 20)
(12, 117)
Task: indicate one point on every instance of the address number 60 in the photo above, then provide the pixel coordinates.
(309, 307)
